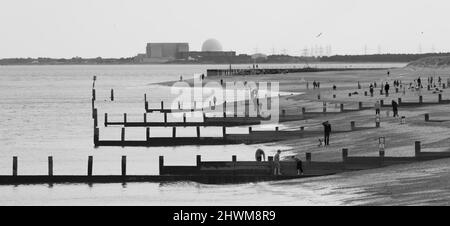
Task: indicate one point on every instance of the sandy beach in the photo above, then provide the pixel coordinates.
(427, 178)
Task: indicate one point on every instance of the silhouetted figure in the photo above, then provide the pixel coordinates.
(386, 89)
(276, 161)
(377, 107)
(395, 108)
(299, 165)
(260, 155)
(371, 89)
(327, 132)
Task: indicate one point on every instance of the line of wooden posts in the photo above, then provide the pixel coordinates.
(308, 157)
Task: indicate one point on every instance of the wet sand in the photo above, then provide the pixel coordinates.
(412, 184)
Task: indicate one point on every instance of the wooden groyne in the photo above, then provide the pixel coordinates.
(207, 121)
(259, 71)
(221, 172)
(420, 102)
(252, 137)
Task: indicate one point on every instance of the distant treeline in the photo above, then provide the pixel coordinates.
(240, 59)
(403, 58)
(63, 61)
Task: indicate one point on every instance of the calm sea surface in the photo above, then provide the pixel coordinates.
(46, 111)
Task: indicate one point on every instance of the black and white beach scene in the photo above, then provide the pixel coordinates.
(224, 103)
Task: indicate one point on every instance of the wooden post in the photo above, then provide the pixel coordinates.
(342, 107)
(224, 115)
(112, 94)
(195, 105)
(417, 148)
(123, 134)
(365, 93)
(308, 156)
(145, 97)
(50, 166)
(93, 95)
(147, 134)
(14, 169)
(90, 163)
(360, 105)
(162, 105)
(224, 132)
(161, 165)
(124, 118)
(427, 117)
(234, 158)
(420, 99)
(165, 117)
(95, 118)
(235, 109)
(124, 165)
(96, 135)
(204, 117)
(249, 129)
(145, 117)
(439, 98)
(352, 125)
(184, 117)
(247, 108)
(198, 131)
(199, 160)
(174, 132)
(224, 106)
(106, 119)
(344, 154)
(146, 105)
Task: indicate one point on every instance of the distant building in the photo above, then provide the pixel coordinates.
(165, 52)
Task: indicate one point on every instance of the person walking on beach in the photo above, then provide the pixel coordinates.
(327, 132)
(260, 155)
(276, 161)
(377, 107)
(371, 89)
(299, 165)
(386, 88)
(395, 108)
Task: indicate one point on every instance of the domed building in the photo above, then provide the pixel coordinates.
(211, 45)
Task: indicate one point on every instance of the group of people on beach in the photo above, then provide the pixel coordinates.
(316, 84)
(261, 156)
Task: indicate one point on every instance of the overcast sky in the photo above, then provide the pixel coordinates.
(121, 28)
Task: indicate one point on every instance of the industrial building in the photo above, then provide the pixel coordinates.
(165, 52)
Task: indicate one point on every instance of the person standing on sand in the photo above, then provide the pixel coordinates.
(299, 165)
(371, 89)
(377, 107)
(386, 88)
(276, 161)
(395, 108)
(327, 132)
(260, 155)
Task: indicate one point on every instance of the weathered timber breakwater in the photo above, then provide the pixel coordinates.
(223, 172)
(257, 71)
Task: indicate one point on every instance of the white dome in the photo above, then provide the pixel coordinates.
(211, 45)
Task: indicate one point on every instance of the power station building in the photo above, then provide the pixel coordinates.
(211, 52)
(165, 52)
